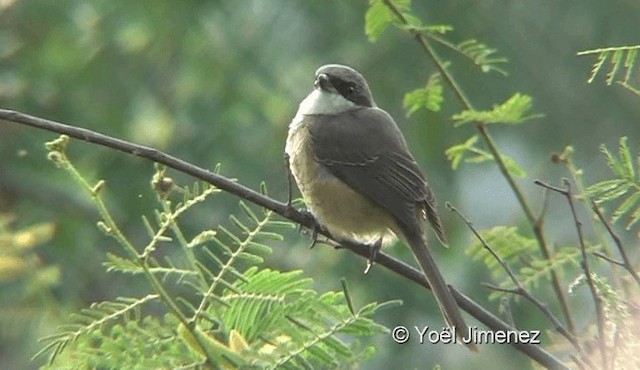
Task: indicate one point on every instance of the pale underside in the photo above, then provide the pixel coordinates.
(336, 206)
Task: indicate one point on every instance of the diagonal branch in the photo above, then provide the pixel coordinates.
(584, 263)
(532, 351)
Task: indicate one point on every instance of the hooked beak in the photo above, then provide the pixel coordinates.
(322, 82)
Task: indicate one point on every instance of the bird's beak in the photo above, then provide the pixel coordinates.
(322, 82)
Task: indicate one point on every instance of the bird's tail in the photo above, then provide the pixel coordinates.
(446, 302)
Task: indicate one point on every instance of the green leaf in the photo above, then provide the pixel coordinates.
(116, 263)
(429, 97)
(480, 54)
(626, 206)
(616, 58)
(614, 193)
(379, 16)
(456, 153)
(620, 58)
(513, 167)
(505, 241)
(597, 65)
(629, 63)
(603, 186)
(625, 183)
(414, 101)
(438, 28)
(429, 29)
(513, 111)
(625, 158)
(612, 162)
(376, 20)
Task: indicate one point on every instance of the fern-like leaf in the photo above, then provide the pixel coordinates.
(315, 334)
(379, 17)
(233, 314)
(149, 343)
(513, 111)
(520, 253)
(623, 61)
(625, 187)
(93, 319)
(508, 243)
(429, 97)
(479, 53)
(248, 249)
(472, 154)
(535, 270)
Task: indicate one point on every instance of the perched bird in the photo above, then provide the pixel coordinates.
(358, 178)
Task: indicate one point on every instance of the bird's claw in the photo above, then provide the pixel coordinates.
(373, 253)
(315, 228)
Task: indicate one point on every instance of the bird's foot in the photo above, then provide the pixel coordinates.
(314, 226)
(373, 253)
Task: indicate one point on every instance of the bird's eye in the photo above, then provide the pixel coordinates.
(351, 88)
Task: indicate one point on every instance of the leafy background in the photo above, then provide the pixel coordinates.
(217, 82)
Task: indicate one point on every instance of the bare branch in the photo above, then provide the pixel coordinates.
(584, 264)
(608, 259)
(519, 288)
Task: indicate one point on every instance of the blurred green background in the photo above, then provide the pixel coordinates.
(218, 81)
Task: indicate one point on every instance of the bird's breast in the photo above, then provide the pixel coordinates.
(342, 210)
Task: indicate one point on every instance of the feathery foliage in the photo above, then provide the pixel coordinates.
(622, 62)
(520, 253)
(92, 320)
(513, 111)
(478, 53)
(379, 17)
(382, 13)
(471, 153)
(624, 188)
(429, 97)
(220, 309)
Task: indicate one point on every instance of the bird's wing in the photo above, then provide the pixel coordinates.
(365, 149)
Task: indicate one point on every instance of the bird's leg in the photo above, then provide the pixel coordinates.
(373, 253)
(289, 182)
(315, 229)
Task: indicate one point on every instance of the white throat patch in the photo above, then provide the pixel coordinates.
(323, 102)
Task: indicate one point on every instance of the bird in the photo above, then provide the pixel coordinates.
(358, 178)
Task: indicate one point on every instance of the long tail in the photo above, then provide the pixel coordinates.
(446, 302)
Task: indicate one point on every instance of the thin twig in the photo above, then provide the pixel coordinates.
(609, 259)
(565, 157)
(584, 264)
(616, 239)
(543, 209)
(519, 289)
(532, 351)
